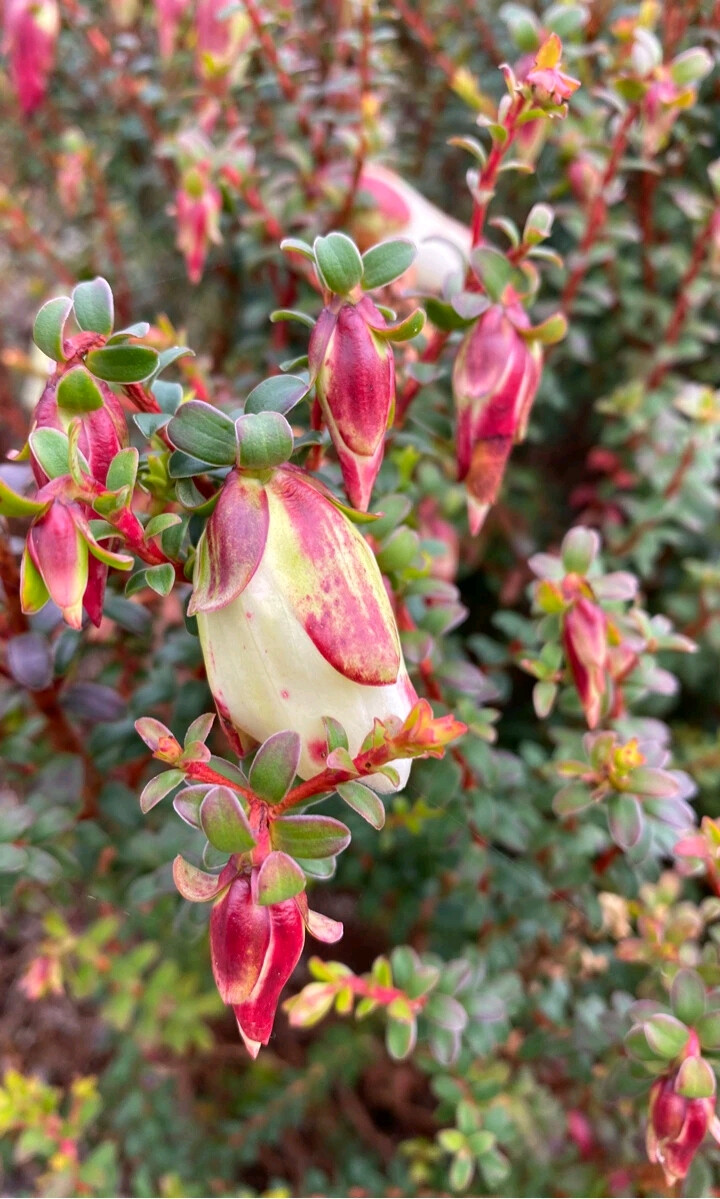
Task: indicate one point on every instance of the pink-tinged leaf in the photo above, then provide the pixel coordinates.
(232, 545)
(275, 766)
(279, 878)
(200, 729)
(157, 737)
(692, 847)
(647, 780)
(239, 941)
(616, 586)
(309, 836)
(187, 804)
(33, 592)
(197, 885)
(322, 928)
(328, 571)
(159, 787)
(363, 801)
(224, 821)
(695, 1079)
(256, 1015)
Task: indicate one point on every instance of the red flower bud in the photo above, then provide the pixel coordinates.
(30, 32)
(255, 949)
(355, 379)
(676, 1128)
(59, 552)
(586, 648)
(103, 432)
(495, 378)
(197, 212)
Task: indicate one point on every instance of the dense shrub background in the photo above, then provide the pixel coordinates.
(123, 1072)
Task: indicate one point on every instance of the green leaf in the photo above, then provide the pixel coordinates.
(275, 766)
(292, 314)
(446, 1011)
(708, 1030)
(158, 787)
(194, 884)
(625, 820)
(77, 391)
(93, 305)
(224, 822)
(203, 432)
(295, 245)
(277, 394)
(339, 263)
(52, 450)
(187, 804)
(666, 1035)
(364, 801)
(494, 271)
(335, 734)
(695, 1079)
(279, 878)
(579, 549)
(139, 329)
(387, 261)
(122, 471)
(49, 327)
(167, 357)
(687, 996)
(160, 578)
(122, 364)
(403, 330)
(33, 592)
(264, 439)
(309, 836)
(400, 1037)
(158, 524)
(12, 504)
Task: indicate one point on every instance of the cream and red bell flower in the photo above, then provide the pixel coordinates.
(294, 620)
(30, 32)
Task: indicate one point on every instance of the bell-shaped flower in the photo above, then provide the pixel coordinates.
(294, 620)
(677, 1124)
(585, 640)
(396, 207)
(495, 379)
(103, 431)
(197, 217)
(354, 373)
(30, 32)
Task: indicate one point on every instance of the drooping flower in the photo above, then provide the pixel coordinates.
(495, 378)
(354, 371)
(294, 620)
(198, 204)
(677, 1125)
(546, 75)
(585, 639)
(30, 33)
(103, 431)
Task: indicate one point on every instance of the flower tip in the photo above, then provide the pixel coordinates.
(476, 514)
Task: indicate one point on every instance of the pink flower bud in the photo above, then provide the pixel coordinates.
(586, 648)
(168, 14)
(495, 378)
(103, 431)
(294, 621)
(355, 380)
(31, 28)
(676, 1128)
(59, 552)
(397, 208)
(220, 34)
(197, 215)
(254, 950)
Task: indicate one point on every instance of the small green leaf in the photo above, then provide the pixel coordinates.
(279, 878)
(295, 245)
(275, 766)
(33, 592)
(579, 549)
(194, 884)
(264, 439)
(625, 820)
(158, 524)
(403, 330)
(387, 261)
(708, 1030)
(187, 804)
(666, 1035)
(122, 364)
(158, 787)
(224, 821)
(139, 329)
(277, 394)
(203, 432)
(122, 471)
(93, 305)
(77, 391)
(400, 1037)
(52, 450)
(339, 263)
(12, 504)
(49, 327)
(309, 836)
(160, 578)
(364, 801)
(335, 734)
(292, 314)
(695, 1079)
(494, 271)
(166, 358)
(687, 996)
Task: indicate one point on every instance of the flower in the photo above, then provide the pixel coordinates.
(168, 15)
(398, 208)
(31, 28)
(495, 378)
(103, 431)
(584, 634)
(294, 620)
(677, 1125)
(254, 949)
(546, 75)
(197, 215)
(354, 373)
